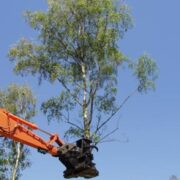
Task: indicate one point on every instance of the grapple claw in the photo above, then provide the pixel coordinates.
(77, 159)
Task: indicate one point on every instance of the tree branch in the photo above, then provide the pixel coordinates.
(107, 135)
(69, 122)
(117, 110)
(73, 124)
(69, 91)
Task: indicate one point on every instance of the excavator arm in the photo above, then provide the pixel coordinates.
(20, 130)
(77, 158)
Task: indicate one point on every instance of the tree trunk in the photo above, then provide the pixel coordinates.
(17, 160)
(85, 108)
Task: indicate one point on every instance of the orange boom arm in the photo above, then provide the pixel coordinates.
(20, 130)
(77, 158)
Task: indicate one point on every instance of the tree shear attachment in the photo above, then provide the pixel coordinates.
(77, 158)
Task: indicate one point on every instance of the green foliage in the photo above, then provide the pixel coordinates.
(54, 106)
(73, 132)
(105, 102)
(96, 138)
(20, 101)
(72, 32)
(145, 69)
(77, 46)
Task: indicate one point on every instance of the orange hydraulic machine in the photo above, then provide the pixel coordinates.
(77, 158)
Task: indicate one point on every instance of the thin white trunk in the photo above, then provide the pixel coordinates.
(85, 108)
(18, 148)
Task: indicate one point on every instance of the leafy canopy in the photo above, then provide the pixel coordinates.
(78, 46)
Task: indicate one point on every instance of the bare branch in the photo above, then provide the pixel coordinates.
(110, 140)
(73, 124)
(107, 135)
(104, 139)
(117, 110)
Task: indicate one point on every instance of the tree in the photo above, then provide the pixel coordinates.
(20, 101)
(77, 46)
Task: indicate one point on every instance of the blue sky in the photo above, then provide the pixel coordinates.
(151, 122)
